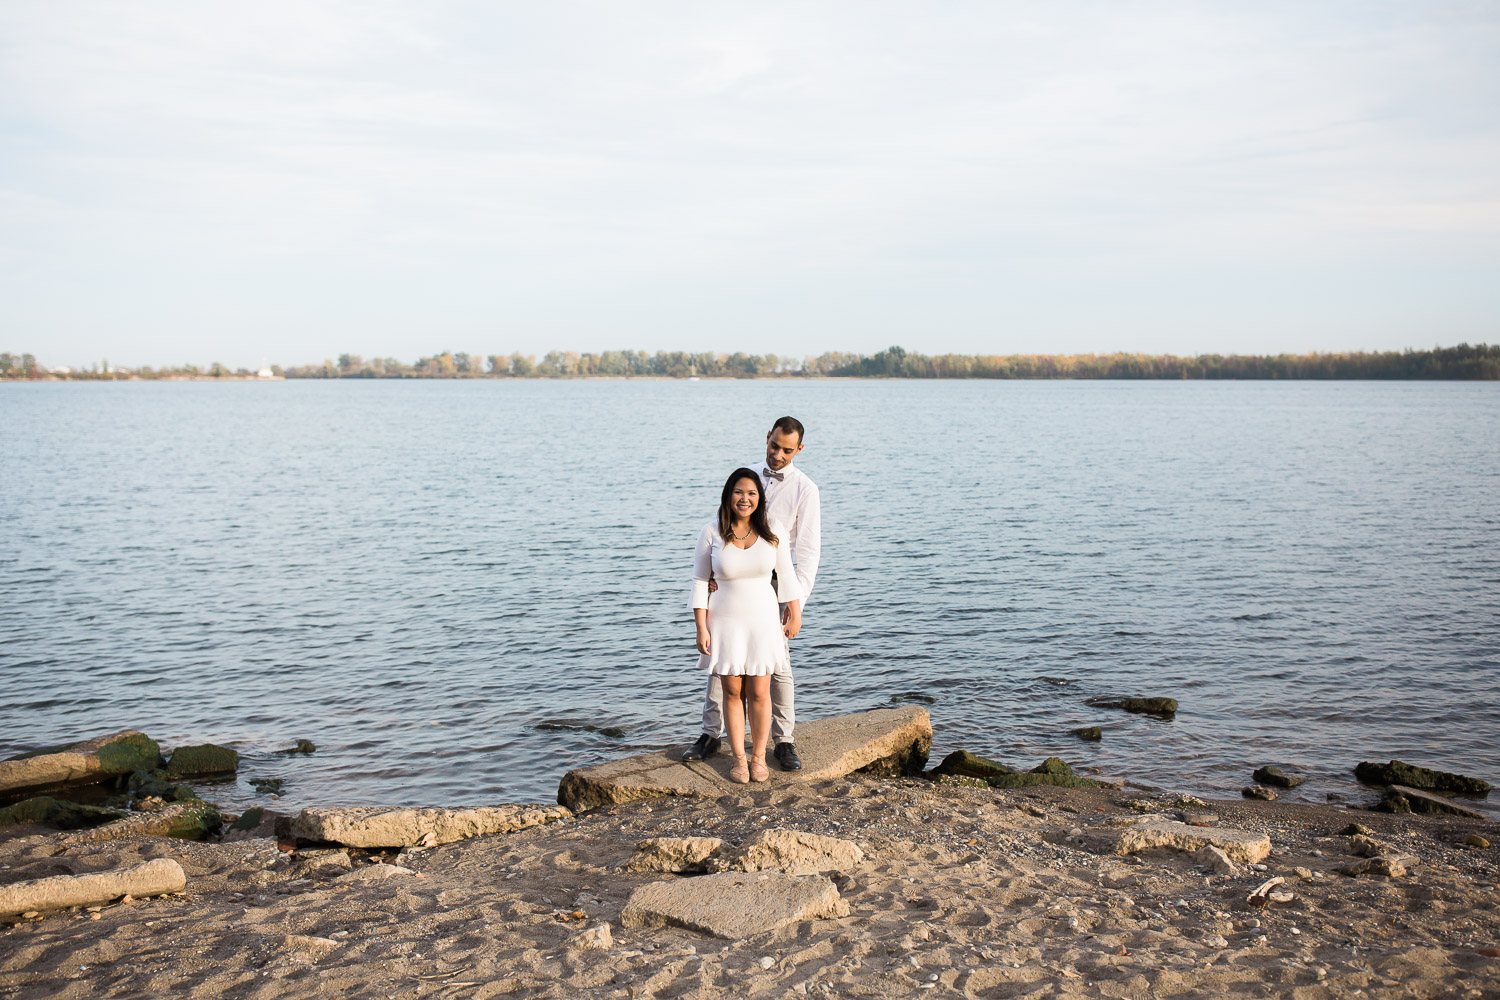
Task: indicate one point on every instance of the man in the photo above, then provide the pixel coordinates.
(792, 499)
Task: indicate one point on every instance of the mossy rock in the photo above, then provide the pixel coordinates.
(961, 781)
(1273, 775)
(905, 763)
(249, 819)
(195, 822)
(1401, 773)
(1394, 802)
(1092, 734)
(1164, 707)
(57, 813)
(203, 759)
(971, 765)
(302, 747)
(1052, 771)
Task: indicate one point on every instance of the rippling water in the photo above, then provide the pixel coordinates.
(419, 575)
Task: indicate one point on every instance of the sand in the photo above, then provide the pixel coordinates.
(963, 892)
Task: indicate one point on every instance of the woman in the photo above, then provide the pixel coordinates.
(743, 641)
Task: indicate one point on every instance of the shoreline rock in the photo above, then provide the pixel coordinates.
(1165, 708)
(154, 878)
(1398, 772)
(85, 762)
(379, 826)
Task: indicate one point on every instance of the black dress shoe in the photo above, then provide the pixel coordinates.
(786, 756)
(706, 746)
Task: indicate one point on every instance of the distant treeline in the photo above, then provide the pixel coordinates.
(1481, 361)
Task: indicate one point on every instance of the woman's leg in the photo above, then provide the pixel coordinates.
(734, 716)
(760, 716)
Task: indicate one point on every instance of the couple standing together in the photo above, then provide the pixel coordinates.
(752, 571)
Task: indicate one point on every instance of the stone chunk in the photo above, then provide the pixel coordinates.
(673, 854)
(57, 813)
(1273, 775)
(1162, 834)
(1259, 792)
(733, 905)
(380, 826)
(192, 820)
(1389, 867)
(1052, 771)
(375, 873)
(791, 852)
(1214, 859)
(882, 741)
(150, 879)
(203, 759)
(79, 763)
(596, 938)
(1401, 799)
(1092, 734)
(1400, 773)
(962, 763)
(1164, 707)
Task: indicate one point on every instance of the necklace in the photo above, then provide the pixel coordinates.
(740, 538)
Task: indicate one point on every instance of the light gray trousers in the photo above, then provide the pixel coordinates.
(783, 713)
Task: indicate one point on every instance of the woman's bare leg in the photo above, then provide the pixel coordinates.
(734, 714)
(760, 715)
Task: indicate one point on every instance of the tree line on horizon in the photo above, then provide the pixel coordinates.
(1473, 362)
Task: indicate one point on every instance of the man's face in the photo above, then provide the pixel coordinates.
(781, 448)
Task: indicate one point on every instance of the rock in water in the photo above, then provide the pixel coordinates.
(301, 746)
(1093, 734)
(1399, 773)
(1259, 792)
(203, 759)
(191, 820)
(1052, 771)
(1401, 799)
(379, 826)
(971, 765)
(79, 763)
(150, 879)
(733, 905)
(1273, 775)
(1164, 707)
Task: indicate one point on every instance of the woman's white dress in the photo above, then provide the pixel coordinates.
(744, 614)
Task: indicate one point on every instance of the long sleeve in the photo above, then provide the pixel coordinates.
(703, 566)
(788, 586)
(807, 545)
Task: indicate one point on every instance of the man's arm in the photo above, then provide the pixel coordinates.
(808, 545)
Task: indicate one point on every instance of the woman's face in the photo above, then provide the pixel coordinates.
(745, 498)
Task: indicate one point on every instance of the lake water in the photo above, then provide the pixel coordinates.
(418, 575)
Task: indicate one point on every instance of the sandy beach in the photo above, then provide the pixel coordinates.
(962, 892)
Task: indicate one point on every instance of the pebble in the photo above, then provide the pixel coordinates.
(1475, 840)
(1260, 867)
(767, 961)
(1303, 872)
(932, 978)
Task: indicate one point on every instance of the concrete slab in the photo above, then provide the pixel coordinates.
(734, 905)
(885, 740)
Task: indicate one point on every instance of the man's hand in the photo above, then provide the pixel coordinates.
(713, 585)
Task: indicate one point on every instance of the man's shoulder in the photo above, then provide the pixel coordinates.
(805, 481)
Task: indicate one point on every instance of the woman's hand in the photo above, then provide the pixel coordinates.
(703, 639)
(791, 622)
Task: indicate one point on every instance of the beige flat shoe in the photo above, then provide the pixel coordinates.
(759, 771)
(740, 773)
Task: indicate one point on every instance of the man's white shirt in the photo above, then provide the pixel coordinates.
(794, 502)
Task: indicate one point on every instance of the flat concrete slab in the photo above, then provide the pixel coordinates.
(382, 826)
(1169, 835)
(886, 740)
(733, 905)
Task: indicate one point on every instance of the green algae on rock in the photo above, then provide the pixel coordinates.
(203, 759)
(1092, 734)
(971, 765)
(1401, 773)
(79, 763)
(1164, 707)
(1052, 771)
(57, 813)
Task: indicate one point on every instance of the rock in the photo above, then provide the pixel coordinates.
(596, 938)
(150, 879)
(1216, 860)
(79, 763)
(249, 819)
(962, 763)
(1475, 840)
(302, 747)
(57, 813)
(380, 826)
(733, 905)
(1273, 775)
(1091, 733)
(1259, 792)
(203, 759)
(1164, 834)
(375, 873)
(1355, 829)
(183, 820)
(307, 944)
(1052, 771)
(882, 741)
(791, 852)
(961, 781)
(1388, 867)
(268, 786)
(1401, 799)
(1164, 707)
(326, 864)
(1399, 773)
(673, 854)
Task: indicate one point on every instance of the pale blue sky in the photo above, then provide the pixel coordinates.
(197, 181)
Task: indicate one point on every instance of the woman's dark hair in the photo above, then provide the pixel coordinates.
(758, 522)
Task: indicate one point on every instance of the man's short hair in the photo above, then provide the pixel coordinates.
(790, 425)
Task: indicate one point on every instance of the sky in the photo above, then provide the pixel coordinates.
(206, 181)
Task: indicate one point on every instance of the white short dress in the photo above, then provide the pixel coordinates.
(744, 614)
